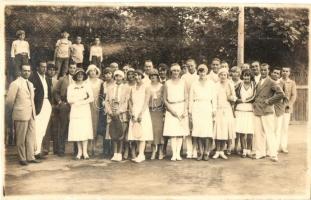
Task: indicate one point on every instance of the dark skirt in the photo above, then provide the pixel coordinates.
(157, 118)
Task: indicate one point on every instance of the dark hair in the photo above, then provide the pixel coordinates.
(290, 69)
(276, 68)
(265, 64)
(255, 61)
(140, 72)
(163, 66)
(74, 77)
(216, 59)
(191, 60)
(247, 72)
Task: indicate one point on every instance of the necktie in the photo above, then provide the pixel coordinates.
(28, 87)
(261, 81)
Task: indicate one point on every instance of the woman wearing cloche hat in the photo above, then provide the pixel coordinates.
(79, 96)
(95, 83)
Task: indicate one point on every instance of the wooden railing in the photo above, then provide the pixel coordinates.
(300, 110)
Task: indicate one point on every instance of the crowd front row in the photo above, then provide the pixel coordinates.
(210, 113)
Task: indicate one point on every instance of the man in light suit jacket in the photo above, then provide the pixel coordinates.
(60, 97)
(279, 106)
(291, 95)
(43, 99)
(20, 102)
(268, 93)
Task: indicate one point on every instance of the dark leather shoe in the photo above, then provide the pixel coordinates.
(39, 157)
(61, 154)
(206, 157)
(23, 162)
(34, 161)
(200, 157)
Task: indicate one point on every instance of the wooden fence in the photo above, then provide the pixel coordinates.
(300, 112)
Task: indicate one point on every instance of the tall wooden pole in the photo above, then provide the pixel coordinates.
(240, 59)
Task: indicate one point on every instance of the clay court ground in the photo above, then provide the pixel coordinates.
(98, 176)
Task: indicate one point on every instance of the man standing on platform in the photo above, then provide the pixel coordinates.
(20, 103)
(43, 98)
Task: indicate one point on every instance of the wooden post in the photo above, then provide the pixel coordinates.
(240, 59)
(309, 71)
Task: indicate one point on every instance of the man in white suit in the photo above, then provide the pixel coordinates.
(20, 102)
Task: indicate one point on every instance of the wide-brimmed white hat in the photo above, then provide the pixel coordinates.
(223, 70)
(118, 72)
(93, 67)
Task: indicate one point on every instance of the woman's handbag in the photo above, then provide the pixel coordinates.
(137, 130)
(115, 128)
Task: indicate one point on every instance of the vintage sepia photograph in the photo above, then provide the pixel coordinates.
(152, 101)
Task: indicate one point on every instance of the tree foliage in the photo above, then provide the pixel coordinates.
(278, 36)
(166, 34)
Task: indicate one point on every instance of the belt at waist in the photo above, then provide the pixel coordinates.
(174, 102)
(197, 100)
(158, 108)
(23, 54)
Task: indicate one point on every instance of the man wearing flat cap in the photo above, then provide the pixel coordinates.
(20, 53)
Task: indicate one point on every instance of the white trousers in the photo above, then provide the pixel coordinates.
(278, 130)
(189, 146)
(42, 120)
(284, 132)
(265, 135)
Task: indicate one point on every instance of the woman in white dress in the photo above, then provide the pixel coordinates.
(176, 124)
(245, 92)
(79, 96)
(224, 129)
(129, 146)
(140, 116)
(95, 83)
(202, 109)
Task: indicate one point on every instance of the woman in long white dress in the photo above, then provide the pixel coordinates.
(176, 124)
(202, 109)
(79, 96)
(139, 111)
(129, 146)
(95, 83)
(224, 129)
(244, 114)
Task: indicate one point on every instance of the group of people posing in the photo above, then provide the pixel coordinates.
(243, 110)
